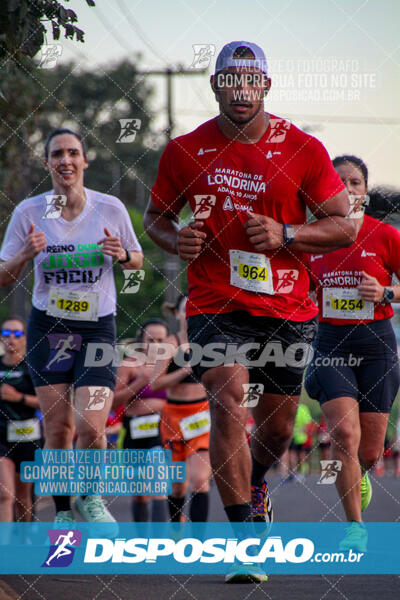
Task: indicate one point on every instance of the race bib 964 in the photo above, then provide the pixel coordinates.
(251, 272)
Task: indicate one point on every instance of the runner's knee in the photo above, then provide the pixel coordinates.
(90, 436)
(199, 483)
(58, 434)
(226, 413)
(345, 437)
(6, 494)
(179, 489)
(280, 434)
(369, 456)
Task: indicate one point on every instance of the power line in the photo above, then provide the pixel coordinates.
(136, 27)
(110, 28)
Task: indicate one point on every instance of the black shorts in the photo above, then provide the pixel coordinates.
(18, 452)
(356, 361)
(279, 365)
(125, 439)
(44, 333)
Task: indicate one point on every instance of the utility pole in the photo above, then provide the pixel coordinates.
(172, 262)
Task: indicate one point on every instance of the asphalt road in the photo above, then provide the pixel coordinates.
(295, 501)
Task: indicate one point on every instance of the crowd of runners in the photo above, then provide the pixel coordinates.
(254, 265)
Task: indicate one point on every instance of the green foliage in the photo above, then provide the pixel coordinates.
(19, 117)
(89, 102)
(22, 31)
(93, 102)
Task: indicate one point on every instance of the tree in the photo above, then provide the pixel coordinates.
(22, 34)
(22, 30)
(94, 103)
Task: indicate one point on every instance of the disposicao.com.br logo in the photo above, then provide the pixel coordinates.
(211, 551)
(62, 547)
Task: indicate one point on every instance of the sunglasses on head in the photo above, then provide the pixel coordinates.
(15, 332)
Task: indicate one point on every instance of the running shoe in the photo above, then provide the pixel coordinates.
(261, 503)
(241, 573)
(366, 491)
(94, 510)
(356, 537)
(64, 516)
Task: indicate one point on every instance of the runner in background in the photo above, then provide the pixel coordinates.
(20, 431)
(298, 448)
(381, 466)
(323, 439)
(142, 411)
(355, 371)
(185, 422)
(114, 425)
(74, 235)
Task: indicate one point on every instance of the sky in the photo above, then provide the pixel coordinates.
(334, 64)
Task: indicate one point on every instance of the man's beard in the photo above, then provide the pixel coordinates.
(241, 121)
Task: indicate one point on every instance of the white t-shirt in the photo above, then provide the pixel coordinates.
(72, 259)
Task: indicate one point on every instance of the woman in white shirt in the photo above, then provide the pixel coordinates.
(74, 235)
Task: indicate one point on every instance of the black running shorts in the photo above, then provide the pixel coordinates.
(279, 361)
(49, 364)
(125, 439)
(19, 451)
(356, 361)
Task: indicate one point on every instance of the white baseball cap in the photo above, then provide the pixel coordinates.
(225, 58)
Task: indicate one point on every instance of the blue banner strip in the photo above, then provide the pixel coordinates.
(188, 548)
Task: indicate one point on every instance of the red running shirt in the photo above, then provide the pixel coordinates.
(377, 252)
(278, 176)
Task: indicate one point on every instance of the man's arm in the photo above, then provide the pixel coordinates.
(127, 385)
(162, 227)
(332, 229)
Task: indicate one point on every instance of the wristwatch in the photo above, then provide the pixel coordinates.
(288, 234)
(388, 295)
(127, 259)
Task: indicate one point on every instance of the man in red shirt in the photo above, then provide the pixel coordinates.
(248, 177)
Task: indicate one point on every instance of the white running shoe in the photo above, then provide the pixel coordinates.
(240, 573)
(64, 516)
(93, 510)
